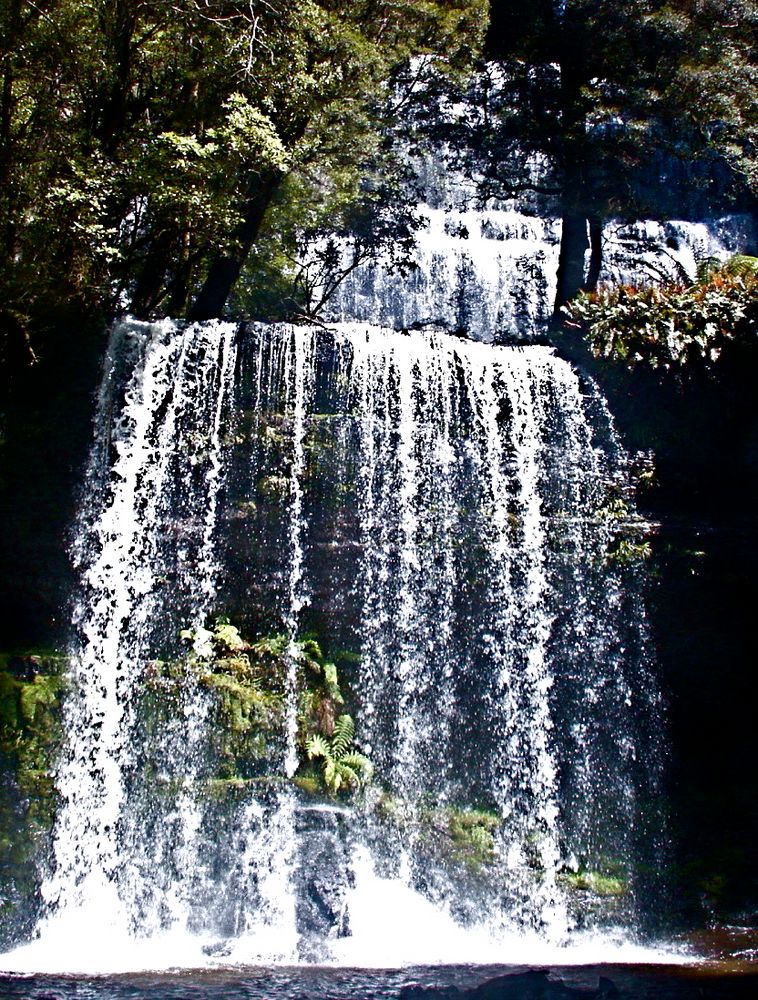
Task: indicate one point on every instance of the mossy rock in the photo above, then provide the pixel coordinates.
(472, 835)
(463, 837)
(30, 735)
(236, 789)
(595, 882)
(310, 784)
(29, 712)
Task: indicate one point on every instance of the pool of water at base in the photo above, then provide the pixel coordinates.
(709, 980)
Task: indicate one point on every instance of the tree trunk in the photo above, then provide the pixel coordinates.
(150, 287)
(596, 253)
(575, 157)
(225, 270)
(574, 244)
(119, 24)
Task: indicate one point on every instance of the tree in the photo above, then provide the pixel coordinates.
(351, 50)
(142, 142)
(592, 91)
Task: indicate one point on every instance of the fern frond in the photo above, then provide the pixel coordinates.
(316, 746)
(741, 265)
(705, 269)
(360, 765)
(347, 775)
(344, 731)
(332, 778)
(332, 684)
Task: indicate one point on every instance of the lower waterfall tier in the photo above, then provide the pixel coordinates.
(361, 671)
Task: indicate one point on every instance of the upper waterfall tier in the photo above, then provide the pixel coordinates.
(485, 273)
(492, 273)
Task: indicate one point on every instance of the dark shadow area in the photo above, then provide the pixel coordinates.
(47, 412)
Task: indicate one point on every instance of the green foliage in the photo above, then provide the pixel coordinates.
(246, 718)
(136, 137)
(29, 719)
(343, 768)
(595, 882)
(30, 734)
(223, 639)
(673, 327)
(227, 637)
(247, 685)
(615, 509)
(456, 835)
(626, 552)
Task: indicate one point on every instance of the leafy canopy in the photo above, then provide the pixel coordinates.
(134, 134)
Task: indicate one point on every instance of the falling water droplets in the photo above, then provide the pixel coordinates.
(435, 502)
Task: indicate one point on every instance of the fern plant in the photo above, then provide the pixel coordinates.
(343, 768)
(673, 326)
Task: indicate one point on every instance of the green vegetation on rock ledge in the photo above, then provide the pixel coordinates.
(456, 834)
(595, 883)
(470, 834)
(30, 732)
(247, 684)
(343, 767)
(674, 326)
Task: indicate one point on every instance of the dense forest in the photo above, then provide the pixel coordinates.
(149, 150)
(143, 144)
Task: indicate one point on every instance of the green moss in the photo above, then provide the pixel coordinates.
(308, 783)
(235, 788)
(472, 833)
(29, 715)
(461, 836)
(391, 809)
(595, 882)
(30, 735)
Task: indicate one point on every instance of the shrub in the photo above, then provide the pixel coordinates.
(673, 326)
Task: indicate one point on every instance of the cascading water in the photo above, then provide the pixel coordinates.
(145, 545)
(450, 513)
(489, 271)
(486, 272)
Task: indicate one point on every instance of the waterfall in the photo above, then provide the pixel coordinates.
(145, 547)
(486, 272)
(447, 511)
(492, 273)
